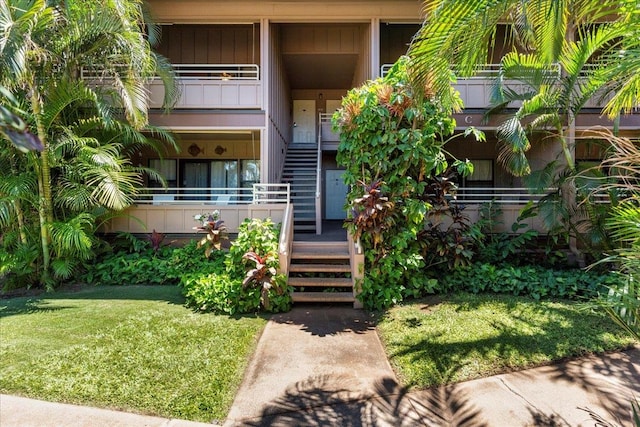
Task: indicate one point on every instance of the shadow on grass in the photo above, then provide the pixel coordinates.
(328, 400)
(44, 301)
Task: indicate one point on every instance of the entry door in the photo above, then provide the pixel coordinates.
(335, 194)
(304, 119)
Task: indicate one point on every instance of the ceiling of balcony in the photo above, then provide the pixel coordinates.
(320, 71)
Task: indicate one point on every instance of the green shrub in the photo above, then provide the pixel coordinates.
(534, 281)
(146, 266)
(225, 293)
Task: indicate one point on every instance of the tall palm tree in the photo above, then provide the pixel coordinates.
(46, 48)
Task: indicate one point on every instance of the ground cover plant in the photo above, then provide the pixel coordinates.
(247, 281)
(135, 348)
(459, 337)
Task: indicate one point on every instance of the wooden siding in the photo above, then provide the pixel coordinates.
(178, 219)
(211, 44)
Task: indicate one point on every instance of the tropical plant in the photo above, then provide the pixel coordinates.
(260, 276)
(561, 54)
(603, 55)
(82, 171)
(622, 302)
(213, 226)
(392, 144)
(249, 280)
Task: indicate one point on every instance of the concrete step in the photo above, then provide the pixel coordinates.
(323, 297)
(319, 268)
(320, 282)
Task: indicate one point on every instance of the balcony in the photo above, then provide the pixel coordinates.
(476, 91)
(213, 86)
(172, 210)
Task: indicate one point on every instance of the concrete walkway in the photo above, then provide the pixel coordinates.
(325, 366)
(321, 366)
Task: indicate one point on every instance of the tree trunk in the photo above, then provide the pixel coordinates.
(45, 205)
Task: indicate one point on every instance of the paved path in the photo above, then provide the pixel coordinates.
(326, 367)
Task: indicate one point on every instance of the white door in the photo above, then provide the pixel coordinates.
(335, 194)
(333, 105)
(304, 121)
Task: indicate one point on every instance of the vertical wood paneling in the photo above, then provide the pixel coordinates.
(210, 44)
(201, 41)
(320, 38)
(214, 47)
(187, 48)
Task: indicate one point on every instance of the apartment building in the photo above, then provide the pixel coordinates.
(259, 82)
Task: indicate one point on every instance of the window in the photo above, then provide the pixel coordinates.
(167, 169)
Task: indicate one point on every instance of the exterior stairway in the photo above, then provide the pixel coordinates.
(299, 171)
(321, 272)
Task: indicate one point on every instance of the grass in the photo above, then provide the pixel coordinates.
(129, 348)
(432, 342)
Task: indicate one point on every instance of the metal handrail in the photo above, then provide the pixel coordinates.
(501, 195)
(483, 71)
(257, 193)
(319, 180)
(197, 71)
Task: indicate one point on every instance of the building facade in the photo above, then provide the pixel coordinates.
(259, 81)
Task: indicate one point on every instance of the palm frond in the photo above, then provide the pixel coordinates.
(74, 237)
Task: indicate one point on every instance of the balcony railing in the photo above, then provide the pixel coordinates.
(476, 91)
(258, 193)
(224, 72)
(215, 86)
(502, 195)
(173, 210)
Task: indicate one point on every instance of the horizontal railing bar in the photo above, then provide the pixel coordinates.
(482, 70)
(272, 193)
(212, 71)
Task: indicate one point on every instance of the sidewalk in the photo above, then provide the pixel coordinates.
(325, 366)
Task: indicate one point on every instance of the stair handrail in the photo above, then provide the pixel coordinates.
(286, 240)
(318, 178)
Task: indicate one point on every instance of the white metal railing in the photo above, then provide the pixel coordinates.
(218, 71)
(325, 118)
(502, 195)
(483, 71)
(257, 193)
(319, 181)
(197, 71)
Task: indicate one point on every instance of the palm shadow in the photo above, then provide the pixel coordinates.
(325, 400)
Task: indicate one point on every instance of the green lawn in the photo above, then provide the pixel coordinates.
(460, 337)
(131, 348)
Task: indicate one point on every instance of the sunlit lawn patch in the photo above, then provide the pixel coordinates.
(437, 341)
(132, 348)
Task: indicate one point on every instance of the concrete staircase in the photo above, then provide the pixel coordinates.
(321, 272)
(299, 171)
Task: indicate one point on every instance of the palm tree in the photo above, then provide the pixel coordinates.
(464, 34)
(45, 50)
(563, 52)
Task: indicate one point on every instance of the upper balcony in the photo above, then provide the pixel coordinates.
(213, 86)
(476, 91)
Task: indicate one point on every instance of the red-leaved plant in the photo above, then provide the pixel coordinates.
(260, 276)
(211, 224)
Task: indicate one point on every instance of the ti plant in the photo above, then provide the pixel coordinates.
(260, 276)
(371, 213)
(216, 232)
(155, 239)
